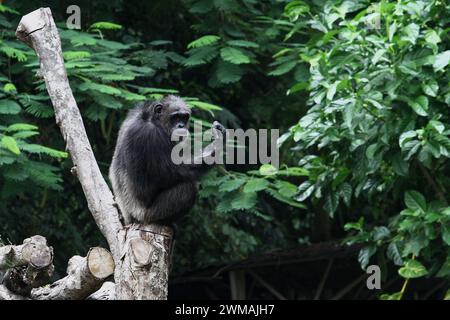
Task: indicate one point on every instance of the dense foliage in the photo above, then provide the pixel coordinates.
(359, 89)
(376, 138)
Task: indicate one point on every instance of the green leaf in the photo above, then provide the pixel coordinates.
(305, 190)
(442, 60)
(346, 191)
(243, 43)
(393, 253)
(298, 87)
(95, 112)
(331, 203)
(415, 201)
(444, 271)
(437, 125)
(446, 234)
(9, 88)
(365, 254)
(432, 37)
(393, 296)
(228, 72)
(71, 55)
(105, 26)
(81, 39)
(412, 269)
(267, 170)
(417, 242)
(35, 148)
(285, 198)
(244, 201)
(380, 233)
(106, 100)
(378, 54)
(399, 165)
(370, 151)
(203, 41)
(355, 225)
(14, 53)
(21, 127)
(4, 8)
(112, 45)
(9, 143)
(447, 295)
(293, 172)
(231, 184)
(430, 88)
(332, 90)
(411, 33)
(286, 188)
(255, 185)
(25, 134)
(9, 107)
(38, 109)
(234, 56)
(199, 56)
(411, 147)
(103, 88)
(130, 96)
(283, 68)
(205, 106)
(419, 105)
(296, 9)
(405, 136)
(160, 42)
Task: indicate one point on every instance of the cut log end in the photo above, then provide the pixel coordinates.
(141, 250)
(100, 263)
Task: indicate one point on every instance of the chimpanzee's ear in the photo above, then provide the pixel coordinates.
(157, 108)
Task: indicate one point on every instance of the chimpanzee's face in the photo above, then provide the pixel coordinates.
(172, 114)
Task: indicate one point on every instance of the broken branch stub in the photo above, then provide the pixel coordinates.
(27, 266)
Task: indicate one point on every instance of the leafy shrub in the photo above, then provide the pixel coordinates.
(377, 123)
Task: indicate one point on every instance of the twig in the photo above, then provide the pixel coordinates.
(324, 279)
(267, 286)
(349, 287)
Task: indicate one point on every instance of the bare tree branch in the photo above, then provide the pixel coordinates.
(106, 292)
(38, 30)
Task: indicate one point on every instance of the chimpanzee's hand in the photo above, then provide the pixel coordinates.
(216, 125)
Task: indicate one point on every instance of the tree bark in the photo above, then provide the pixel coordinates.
(145, 259)
(6, 294)
(28, 265)
(84, 276)
(141, 252)
(106, 292)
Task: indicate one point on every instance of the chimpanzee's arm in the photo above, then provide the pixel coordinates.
(218, 145)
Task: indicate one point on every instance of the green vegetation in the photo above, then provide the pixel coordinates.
(359, 90)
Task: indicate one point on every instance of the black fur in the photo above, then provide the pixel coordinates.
(147, 185)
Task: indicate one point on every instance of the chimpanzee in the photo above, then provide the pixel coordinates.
(148, 186)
